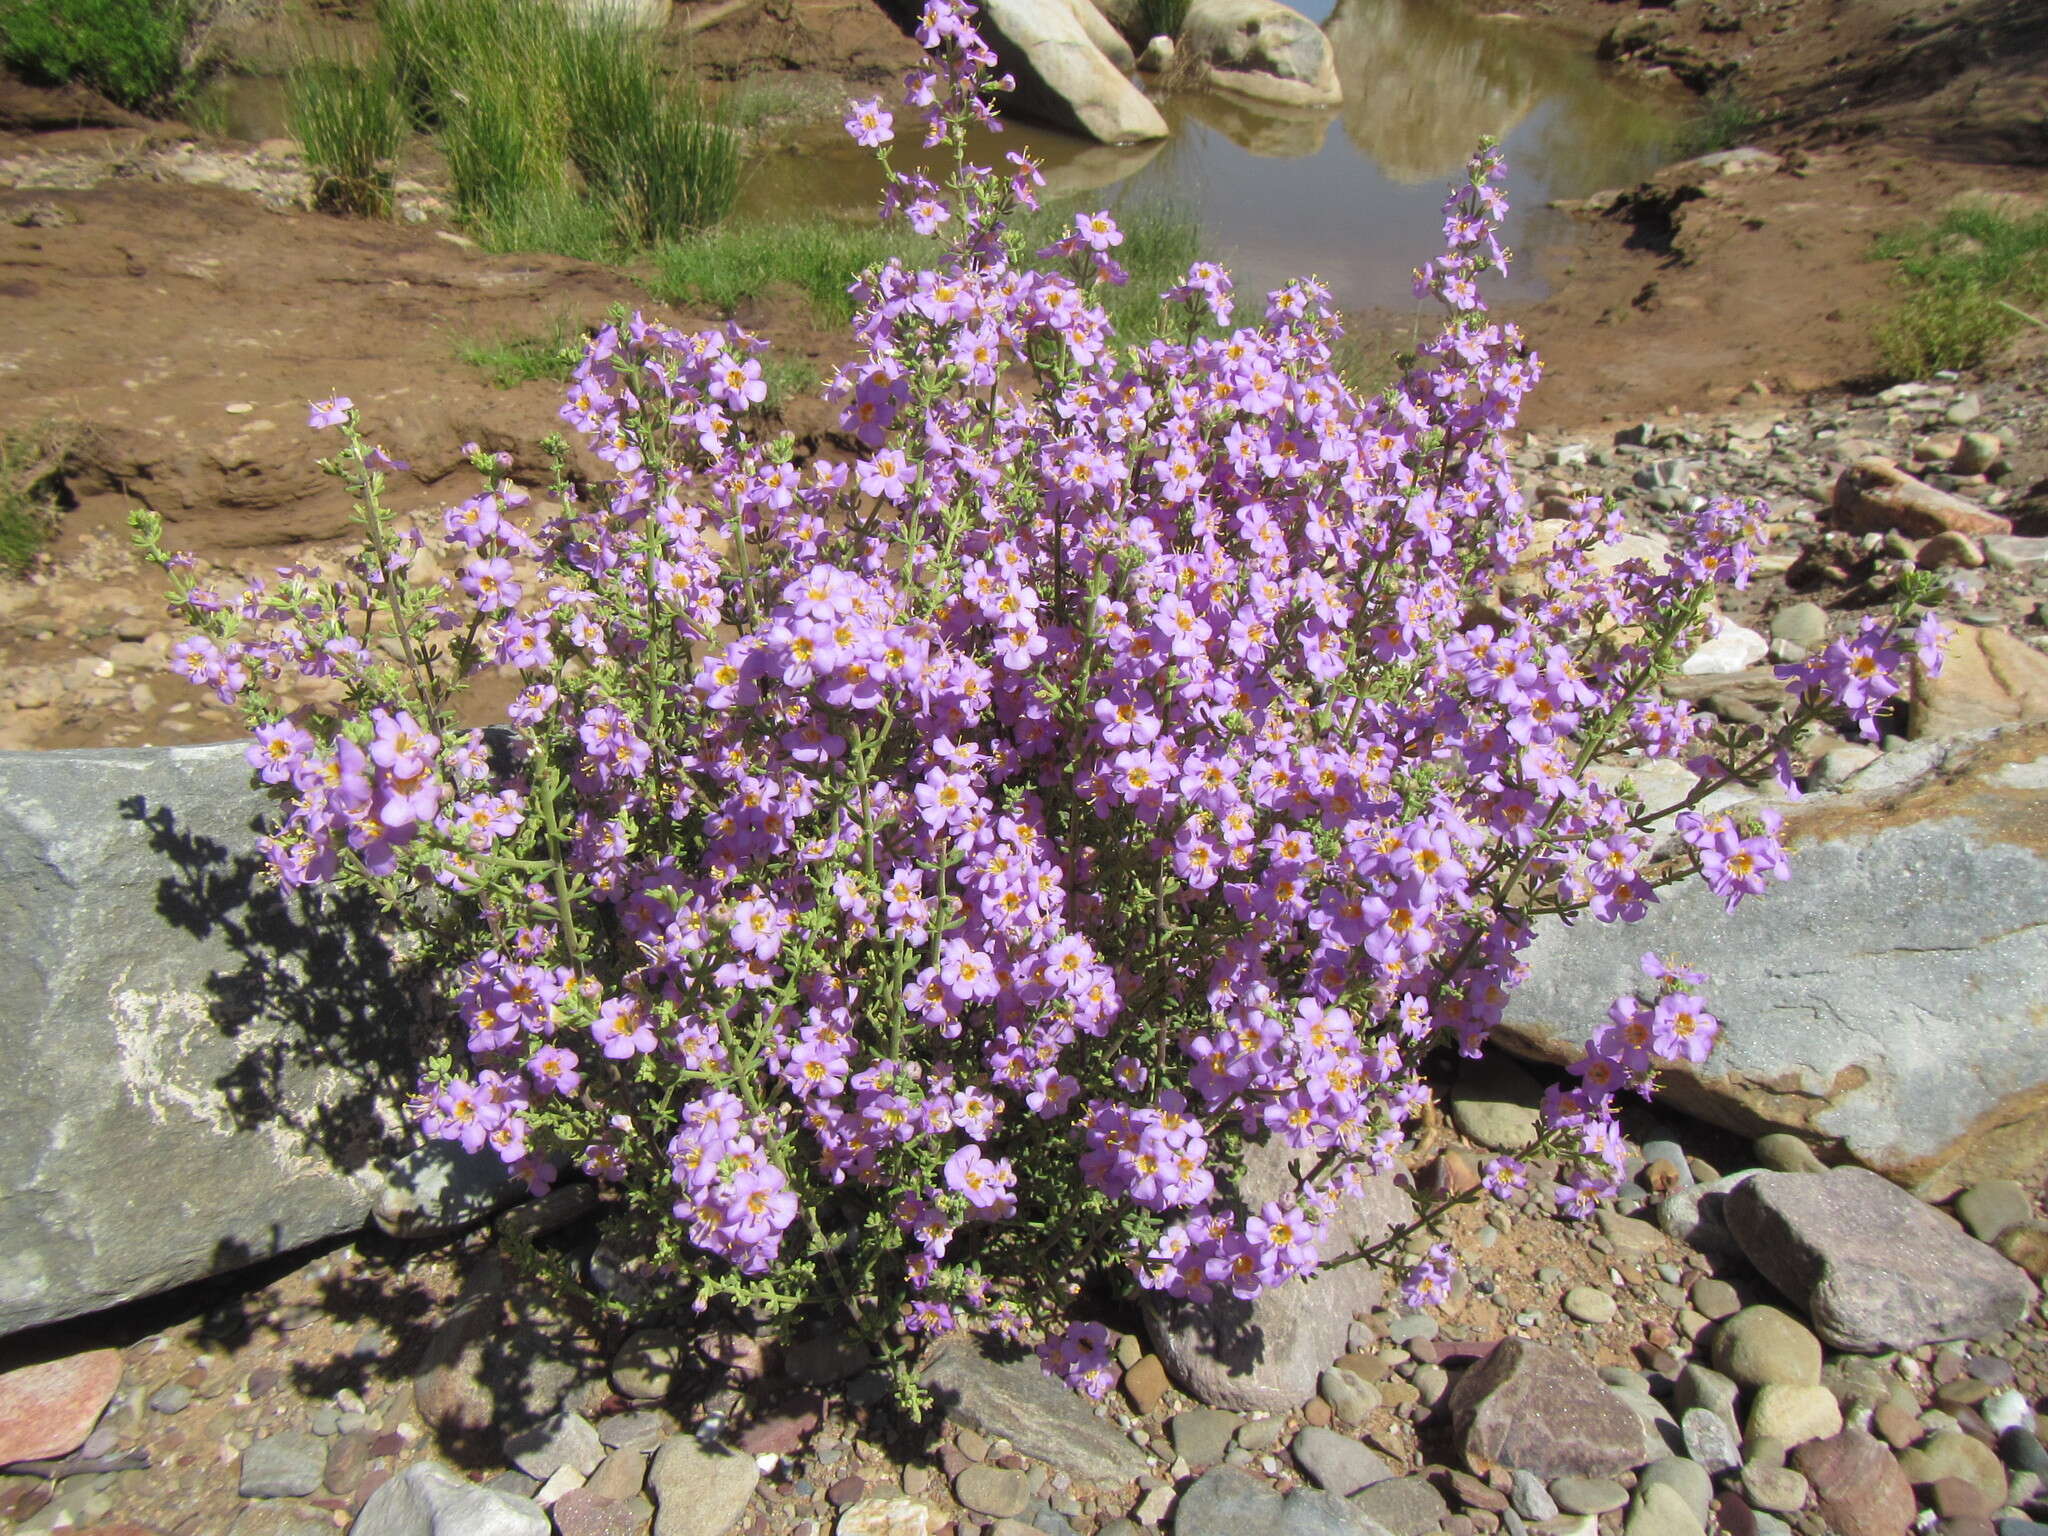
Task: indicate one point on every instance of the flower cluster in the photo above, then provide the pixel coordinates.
(921, 880)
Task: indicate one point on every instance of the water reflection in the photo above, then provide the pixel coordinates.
(1279, 193)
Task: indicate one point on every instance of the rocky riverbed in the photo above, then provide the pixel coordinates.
(1742, 1341)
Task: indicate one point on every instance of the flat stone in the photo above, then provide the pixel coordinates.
(1016, 1401)
(431, 1499)
(1792, 1415)
(1587, 1495)
(560, 1440)
(1529, 1498)
(1405, 1506)
(1989, 677)
(1955, 1454)
(1875, 495)
(1887, 995)
(699, 1490)
(48, 1409)
(1201, 1436)
(1227, 1502)
(147, 1033)
(291, 1465)
(2026, 1244)
(579, 1512)
(1778, 1489)
(1337, 1462)
(1314, 1512)
(1145, 1383)
(1873, 1267)
(437, 1190)
(995, 1491)
(1661, 1511)
(886, 1517)
(1857, 1484)
(1589, 1305)
(1266, 1354)
(1988, 1209)
(1539, 1408)
(648, 1364)
(1782, 1152)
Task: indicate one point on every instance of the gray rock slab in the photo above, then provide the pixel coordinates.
(1227, 1502)
(1337, 1462)
(438, 1189)
(1266, 1354)
(1063, 75)
(1887, 998)
(197, 1065)
(1405, 1506)
(1873, 1267)
(430, 1499)
(1016, 1400)
(1541, 1408)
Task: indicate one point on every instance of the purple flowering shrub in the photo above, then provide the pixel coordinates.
(913, 883)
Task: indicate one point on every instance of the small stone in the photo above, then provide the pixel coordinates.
(430, 1497)
(1777, 1489)
(649, 1363)
(1977, 454)
(1201, 1436)
(1531, 1500)
(286, 1466)
(1950, 551)
(639, 1431)
(2026, 1244)
(1533, 1406)
(1708, 1440)
(1761, 1345)
(826, 1358)
(1786, 1153)
(1955, 1454)
(998, 1492)
(1405, 1506)
(48, 1409)
(621, 1475)
(1857, 1484)
(1496, 1104)
(1988, 1209)
(1715, 1299)
(1957, 1499)
(1226, 1502)
(1792, 1415)
(1589, 1305)
(174, 1397)
(1145, 1383)
(1898, 1423)
(579, 1512)
(1337, 1462)
(1660, 1511)
(1587, 1495)
(2007, 1409)
(699, 1490)
(1688, 1479)
(885, 1517)
(1352, 1398)
(561, 1440)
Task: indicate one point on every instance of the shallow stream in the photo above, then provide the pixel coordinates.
(1353, 195)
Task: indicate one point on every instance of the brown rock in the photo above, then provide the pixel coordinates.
(1899, 1425)
(1955, 1498)
(1317, 1412)
(1874, 496)
(2027, 1246)
(1145, 1383)
(348, 1458)
(579, 1512)
(786, 1429)
(1857, 1482)
(47, 1410)
(1542, 1410)
(1475, 1493)
(1455, 1172)
(1988, 677)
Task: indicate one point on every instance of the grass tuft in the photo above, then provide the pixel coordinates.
(1724, 121)
(722, 269)
(31, 464)
(133, 52)
(1967, 278)
(509, 361)
(347, 116)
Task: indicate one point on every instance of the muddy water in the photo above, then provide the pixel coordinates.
(1353, 195)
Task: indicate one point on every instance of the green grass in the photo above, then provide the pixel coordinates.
(1161, 18)
(509, 361)
(787, 376)
(130, 51)
(30, 463)
(347, 116)
(1964, 278)
(1724, 121)
(1161, 241)
(724, 268)
(560, 135)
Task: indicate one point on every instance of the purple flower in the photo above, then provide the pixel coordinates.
(330, 413)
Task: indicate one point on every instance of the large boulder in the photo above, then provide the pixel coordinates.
(1261, 49)
(1267, 1354)
(195, 1066)
(1886, 1000)
(1063, 76)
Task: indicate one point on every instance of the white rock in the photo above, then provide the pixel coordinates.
(1733, 649)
